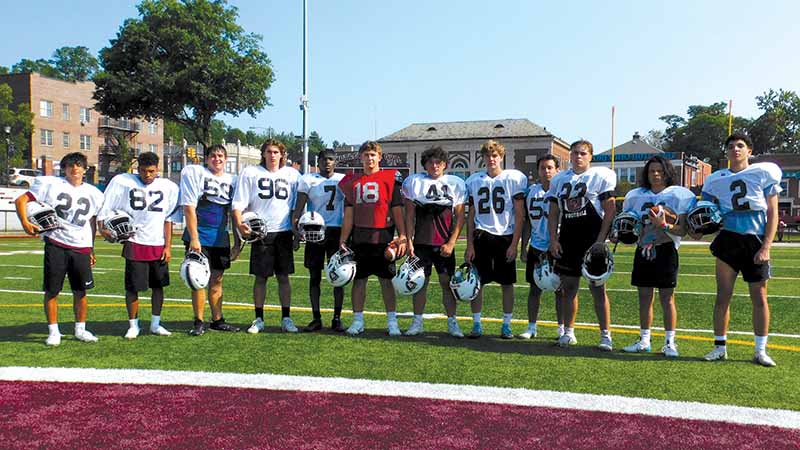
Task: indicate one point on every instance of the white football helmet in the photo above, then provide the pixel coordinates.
(43, 216)
(704, 218)
(195, 270)
(598, 266)
(341, 268)
(544, 276)
(258, 226)
(311, 227)
(410, 278)
(465, 283)
(120, 224)
(627, 227)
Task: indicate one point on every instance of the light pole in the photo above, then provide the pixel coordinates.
(7, 130)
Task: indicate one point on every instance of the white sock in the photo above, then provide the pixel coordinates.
(476, 317)
(761, 344)
(155, 322)
(723, 339)
(669, 337)
(569, 331)
(133, 323)
(532, 325)
(605, 333)
(560, 329)
(53, 329)
(418, 318)
(644, 336)
(452, 319)
(358, 316)
(80, 327)
(391, 316)
(507, 318)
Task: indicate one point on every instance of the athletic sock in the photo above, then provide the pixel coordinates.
(133, 323)
(317, 315)
(155, 321)
(259, 312)
(52, 329)
(569, 331)
(285, 311)
(391, 316)
(560, 329)
(80, 327)
(337, 312)
(532, 326)
(507, 318)
(418, 318)
(669, 337)
(644, 336)
(476, 317)
(605, 333)
(721, 341)
(358, 316)
(761, 344)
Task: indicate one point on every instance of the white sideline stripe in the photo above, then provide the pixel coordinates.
(435, 316)
(481, 394)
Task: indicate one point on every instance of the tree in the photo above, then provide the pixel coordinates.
(41, 66)
(20, 119)
(184, 61)
(777, 130)
(656, 138)
(703, 133)
(74, 63)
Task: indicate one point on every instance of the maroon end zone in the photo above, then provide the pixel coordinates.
(91, 416)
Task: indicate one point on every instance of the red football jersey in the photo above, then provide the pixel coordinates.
(372, 197)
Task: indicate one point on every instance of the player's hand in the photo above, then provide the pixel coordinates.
(658, 219)
(194, 245)
(446, 249)
(761, 256)
(244, 230)
(343, 246)
(296, 242)
(108, 235)
(695, 236)
(402, 247)
(555, 249)
(523, 256)
(92, 259)
(236, 250)
(469, 254)
(166, 254)
(511, 253)
(410, 249)
(30, 228)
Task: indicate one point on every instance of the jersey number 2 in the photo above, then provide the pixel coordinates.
(739, 190)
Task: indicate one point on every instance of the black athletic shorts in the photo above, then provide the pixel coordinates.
(219, 258)
(370, 261)
(272, 255)
(530, 264)
(737, 250)
(60, 262)
(316, 253)
(490, 258)
(661, 272)
(144, 275)
(430, 255)
(573, 249)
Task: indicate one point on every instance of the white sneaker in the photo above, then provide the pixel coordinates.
(454, 329)
(415, 329)
(85, 336)
(287, 325)
(718, 354)
(763, 359)
(160, 331)
(356, 328)
(670, 350)
(393, 328)
(567, 340)
(53, 340)
(637, 347)
(605, 344)
(132, 333)
(257, 326)
(529, 333)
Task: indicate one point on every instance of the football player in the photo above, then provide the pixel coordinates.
(534, 232)
(655, 264)
(152, 204)
(320, 191)
(494, 228)
(68, 249)
(269, 189)
(747, 195)
(206, 194)
(373, 208)
(581, 211)
(434, 205)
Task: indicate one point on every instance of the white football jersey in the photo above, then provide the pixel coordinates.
(538, 207)
(75, 206)
(324, 196)
(677, 199)
(447, 190)
(198, 182)
(577, 192)
(150, 205)
(269, 194)
(493, 199)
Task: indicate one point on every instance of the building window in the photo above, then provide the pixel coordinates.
(784, 188)
(64, 111)
(65, 140)
(86, 142)
(45, 108)
(153, 126)
(631, 175)
(46, 137)
(138, 149)
(86, 115)
(154, 148)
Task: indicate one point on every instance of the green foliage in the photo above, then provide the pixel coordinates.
(704, 131)
(183, 61)
(777, 130)
(74, 63)
(41, 66)
(20, 119)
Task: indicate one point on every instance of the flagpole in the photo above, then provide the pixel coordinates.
(730, 123)
(613, 115)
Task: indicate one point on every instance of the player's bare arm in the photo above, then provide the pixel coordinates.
(447, 247)
(552, 228)
(93, 225)
(190, 212)
(770, 229)
(469, 254)
(347, 226)
(410, 218)
(21, 203)
(166, 254)
(402, 239)
(609, 210)
(519, 218)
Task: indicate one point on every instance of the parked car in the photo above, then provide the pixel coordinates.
(22, 177)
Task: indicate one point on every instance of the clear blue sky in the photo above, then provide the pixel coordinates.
(375, 67)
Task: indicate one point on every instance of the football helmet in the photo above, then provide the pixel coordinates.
(544, 276)
(465, 283)
(704, 218)
(120, 224)
(410, 278)
(257, 225)
(598, 265)
(43, 216)
(195, 270)
(341, 268)
(626, 228)
(311, 227)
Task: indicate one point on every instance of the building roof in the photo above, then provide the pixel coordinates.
(477, 129)
(634, 146)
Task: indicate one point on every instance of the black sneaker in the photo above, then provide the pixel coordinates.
(221, 325)
(336, 325)
(199, 328)
(314, 325)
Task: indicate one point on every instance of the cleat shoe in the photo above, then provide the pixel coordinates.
(637, 347)
(314, 325)
(605, 344)
(719, 353)
(567, 340)
(221, 325)
(477, 331)
(763, 359)
(670, 350)
(53, 340)
(133, 333)
(356, 328)
(199, 328)
(529, 333)
(336, 325)
(257, 326)
(415, 329)
(505, 332)
(454, 329)
(288, 326)
(393, 329)
(85, 336)
(160, 331)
